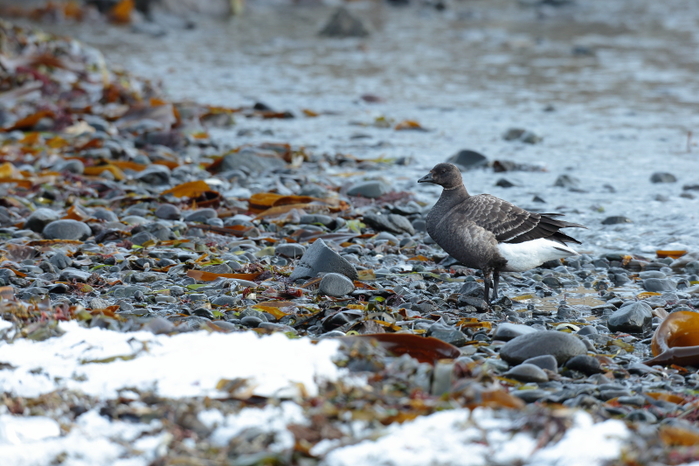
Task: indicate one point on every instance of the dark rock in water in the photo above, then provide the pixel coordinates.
(154, 175)
(469, 159)
(527, 373)
(658, 285)
(290, 250)
(335, 284)
(168, 212)
(67, 229)
(392, 223)
(343, 24)
(320, 258)
(504, 183)
(507, 331)
(560, 345)
(371, 189)
(566, 181)
(538, 199)
(634, 317)
(201, 215)
(662, 177)
(545, 361)
(588, 365)
(522, 135)
(690, 187)
(615, 220)
(40, 218)
(447, 334)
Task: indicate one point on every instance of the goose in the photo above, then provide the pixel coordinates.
(488, 233)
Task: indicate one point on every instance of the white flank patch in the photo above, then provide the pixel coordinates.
(530, 254)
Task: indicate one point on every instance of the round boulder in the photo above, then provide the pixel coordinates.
(561, 346)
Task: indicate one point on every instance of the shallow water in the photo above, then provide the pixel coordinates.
(623, 106)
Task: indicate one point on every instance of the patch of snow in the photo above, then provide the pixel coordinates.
(272, 419)
(101, 362)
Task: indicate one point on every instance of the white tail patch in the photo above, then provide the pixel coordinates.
(530, 254)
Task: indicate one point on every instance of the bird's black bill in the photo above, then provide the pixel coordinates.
(426, 179)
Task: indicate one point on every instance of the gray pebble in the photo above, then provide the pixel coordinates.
(634, 317)
(168, 212)
(290, 250)
(320, 258)
(371, 189)
(67, 229)
(507, 331)
(658, 285)
(545, 361)
(588, 365)
(40, 218)
(527, 373)
(560, 345)
(335, 284)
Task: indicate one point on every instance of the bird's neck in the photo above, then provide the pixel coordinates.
(452, 196)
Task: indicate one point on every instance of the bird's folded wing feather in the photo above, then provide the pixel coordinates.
(512, 224)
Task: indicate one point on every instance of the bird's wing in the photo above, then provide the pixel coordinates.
(512, 224)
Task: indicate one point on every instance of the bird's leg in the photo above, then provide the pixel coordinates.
(496, 282)
(488, 284)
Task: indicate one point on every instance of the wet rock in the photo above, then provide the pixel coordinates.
(634, 317)
(168, 212)
(530, 396)
(527, 373)
(545, 361)
(201, 215)
(67, 229)
(393, 223)
(159, 326)
(60, 260)
(478, 303)
(447, 334)
(371, 189)
(658, 285)
(343, 24)
(320, 258)
(40, 218)
(104, 214)
(566, 181)
(71, 166)
(472, 288)
(519, 134)
(154, 175)
(662, 177)
(142, 238)
(560, 345)
(588, 365)
(507, 331)
(616, 220)
(251, 161)
(290, 250)
(642, 415)
(69, 274)
(468, 159)
(335, 284)
(504, 183)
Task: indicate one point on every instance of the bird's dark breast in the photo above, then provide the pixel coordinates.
(465, 241)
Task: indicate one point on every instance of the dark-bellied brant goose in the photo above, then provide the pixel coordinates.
(484, 232)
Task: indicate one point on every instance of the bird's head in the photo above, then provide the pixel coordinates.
(446, 175)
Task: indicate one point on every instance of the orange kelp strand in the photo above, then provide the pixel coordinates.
(676, 340)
